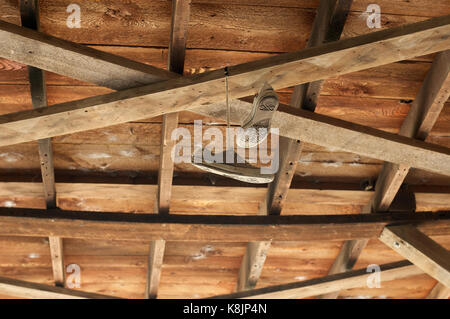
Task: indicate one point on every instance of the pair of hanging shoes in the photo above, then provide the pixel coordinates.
(255, 130)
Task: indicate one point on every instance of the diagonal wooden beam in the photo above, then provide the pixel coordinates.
(177, 48)
(328, 25)
(155, 261)
(76, 61)
(439, 291)
(327, 284)
(420, 249)
(317, 63)
(424, 112)
(31, 290)
(29, 13)
(252, 264)
(216, 228)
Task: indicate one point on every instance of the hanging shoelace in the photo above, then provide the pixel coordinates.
(226, 97)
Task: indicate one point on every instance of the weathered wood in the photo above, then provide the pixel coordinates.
(177, 51)
(123, 226)
(328, 25)
(73, 60)
(420, 120)
(31, 290)
(252, 264)
(57, 255)
(29, 11)
(328, 284)
(155, 262)
(215, 77)
(194, 198)
(420, 249)
(30, 19)
(424, 112)
(439, 291)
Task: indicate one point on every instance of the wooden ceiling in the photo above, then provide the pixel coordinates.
(103, 169)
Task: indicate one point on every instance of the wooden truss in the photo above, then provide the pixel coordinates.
(144, 91)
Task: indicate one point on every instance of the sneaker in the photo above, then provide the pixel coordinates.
(239, 170)
(256, 126)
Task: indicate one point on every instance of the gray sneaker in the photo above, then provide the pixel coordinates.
(256, 126)
(239, 170)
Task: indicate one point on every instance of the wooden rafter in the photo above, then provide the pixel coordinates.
(331, 15)
(177, 48)
(74, 60)
(424, 112)
(177, 51)
(252, 264)
(439, 291)
(29, 13)
(216, 228)
(425, 38)
(330, 283)
(328, 25)
(420, 249)
(31, 290)
(155, 261)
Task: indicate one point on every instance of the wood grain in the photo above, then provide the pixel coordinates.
(66, 224)
(421, 250)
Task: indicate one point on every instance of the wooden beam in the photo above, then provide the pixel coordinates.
(328, 25)
(31, 290)
(439, 291)
(148, 227)
(57, 255)
(420, 249)
(327, 284)
(424, 112)
(134, 198)
(252, 264)
(177, 48)
(331, 15)
(29, 13)
(374, 49)
(76, 61)
(297, 124)
(155, 261)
